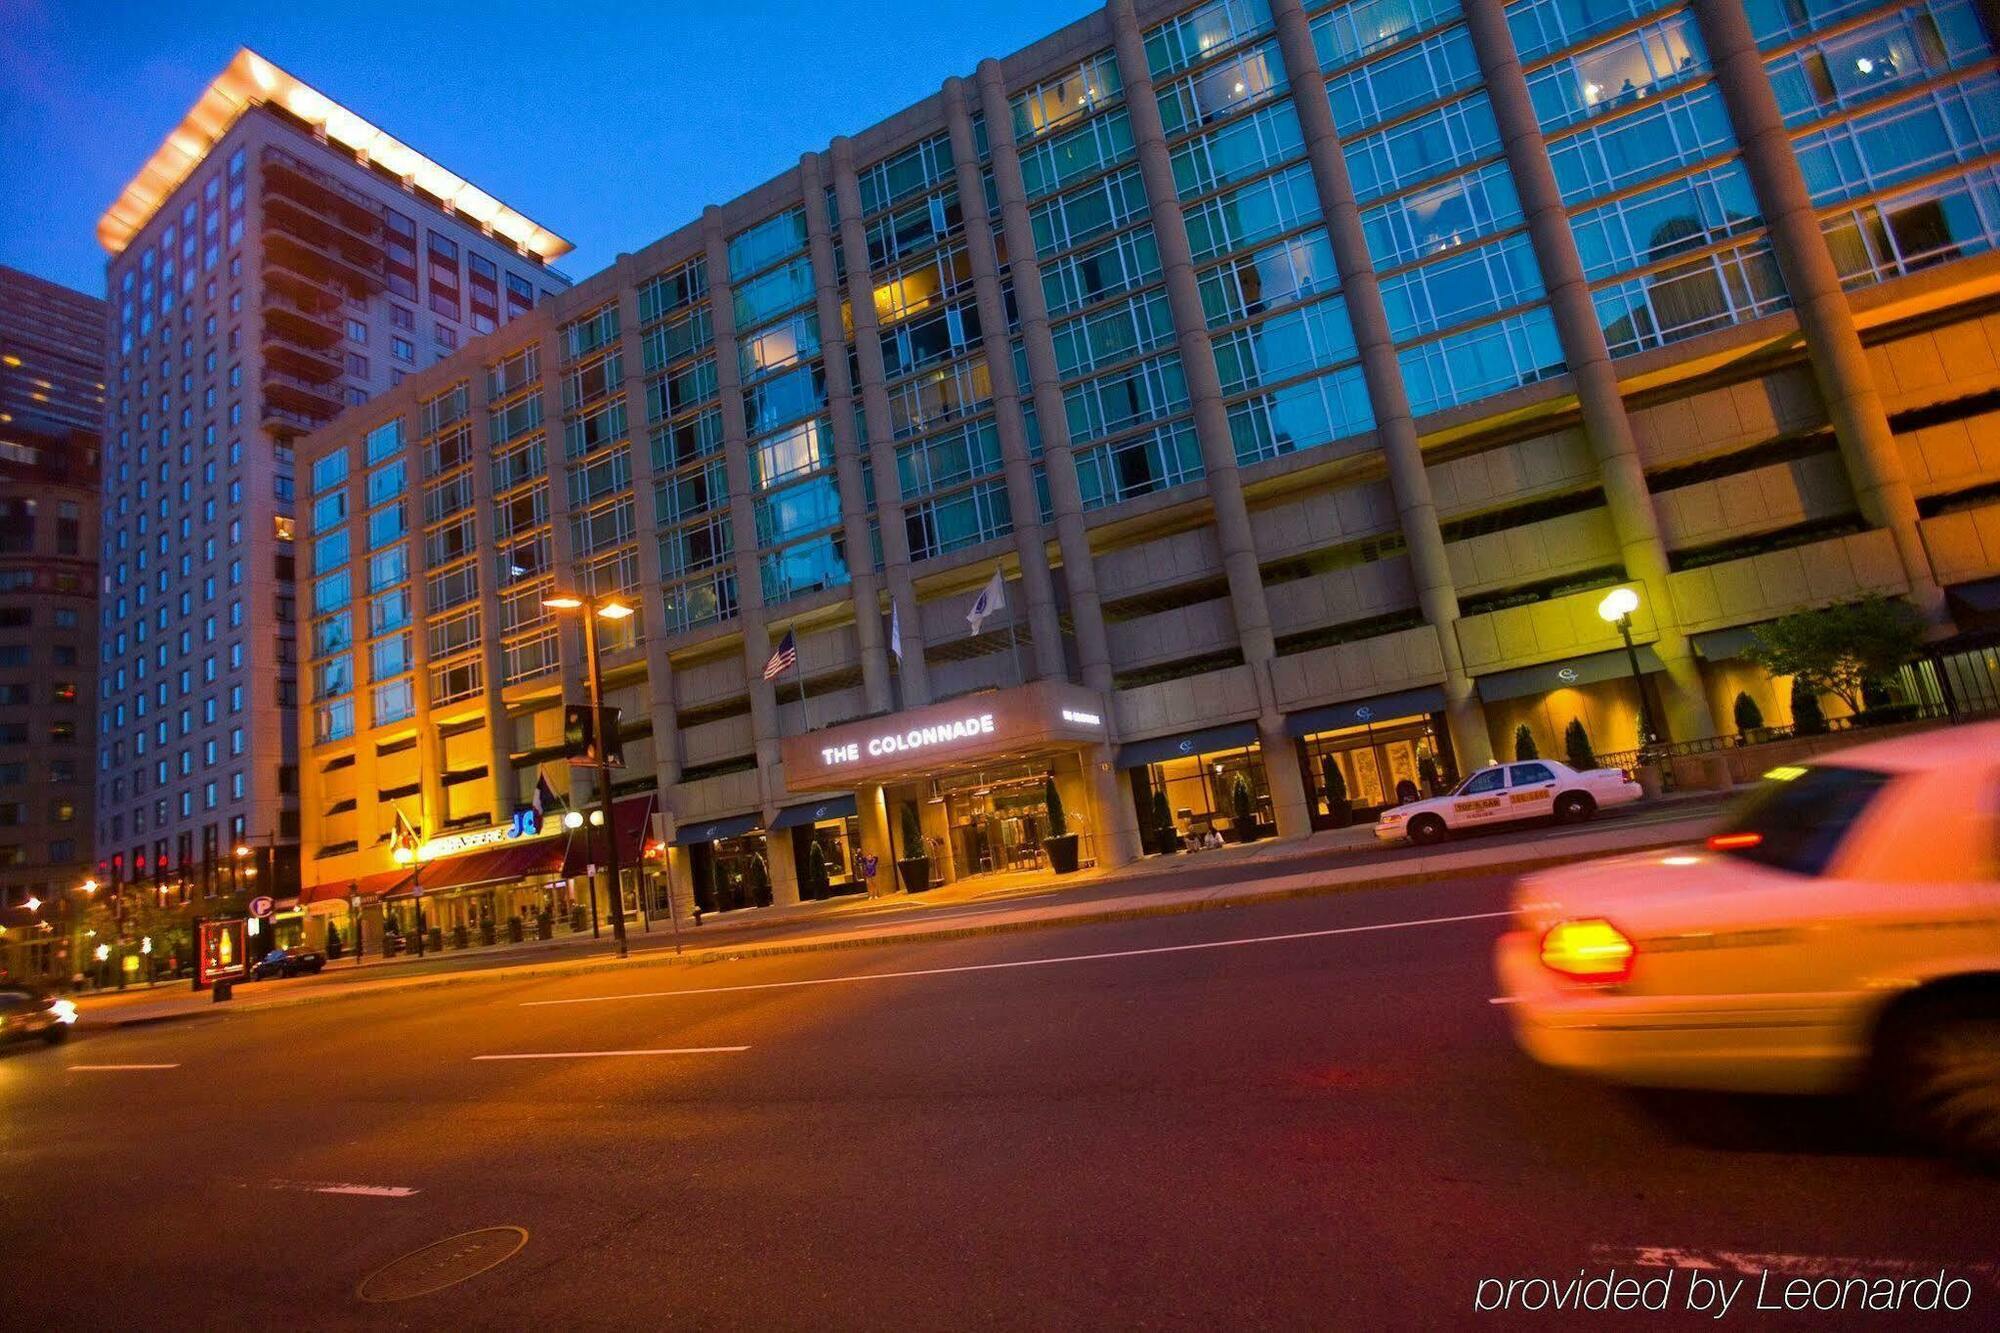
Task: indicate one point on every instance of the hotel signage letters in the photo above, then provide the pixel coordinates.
(916, 738)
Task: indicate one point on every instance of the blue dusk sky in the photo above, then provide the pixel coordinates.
(611, 124)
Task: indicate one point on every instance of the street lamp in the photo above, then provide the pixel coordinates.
(412, 856)
(1617, 607)
(591, 608)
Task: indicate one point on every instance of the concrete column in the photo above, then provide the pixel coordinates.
(1030, 540)
(784, 870)
(660, 705)
(1045, 384)
(864, 584)
(1605, 424)
(1395, 426)
(501, 763)
(742, 514)
(1211, 420)
(881, 435)
(1115, 820)
(874, 814)
(1846, 385)
(569, 629)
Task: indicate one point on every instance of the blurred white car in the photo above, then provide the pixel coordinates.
(1840, 932)
(1504, 793)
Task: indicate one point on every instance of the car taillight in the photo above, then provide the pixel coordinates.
(1733, 842)
(1591, 949)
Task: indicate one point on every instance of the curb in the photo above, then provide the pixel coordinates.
(723, 953)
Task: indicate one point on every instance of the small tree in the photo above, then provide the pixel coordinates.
(816, 875)
(1427, 774)
(1240, 801)
(1163, 822)
(1058, 819)
(1838, 650)
(1576, 746)
(1749, 717)
(1336, 789)
(913, 833)
(1524, 743)
(1807, 720)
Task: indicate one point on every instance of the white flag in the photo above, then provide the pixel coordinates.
(896, 628)
(992, 597)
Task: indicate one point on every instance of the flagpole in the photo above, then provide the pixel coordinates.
(798, 669)
(1013, 640)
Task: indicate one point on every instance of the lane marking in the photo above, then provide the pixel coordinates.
(1024, 962)
(341, 1187)
(99, 1069)
(592, 1055)
(1748, 1264)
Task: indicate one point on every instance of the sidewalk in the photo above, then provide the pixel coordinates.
(1330, 862)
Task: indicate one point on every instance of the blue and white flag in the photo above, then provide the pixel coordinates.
(993, 597)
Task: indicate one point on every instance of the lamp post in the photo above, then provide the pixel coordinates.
(591, 608)
(412, 857)
(1617, 607)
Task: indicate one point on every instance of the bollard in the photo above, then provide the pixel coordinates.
(1648, 776)
(224, 990)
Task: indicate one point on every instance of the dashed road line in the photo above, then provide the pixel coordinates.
(105, 1069)
(1025, 962)
(592, 1055)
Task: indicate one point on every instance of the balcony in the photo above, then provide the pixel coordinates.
(294, 404)
(294, 219)
(302, 360)
(329, 268)
(285, 177)
(315, 325)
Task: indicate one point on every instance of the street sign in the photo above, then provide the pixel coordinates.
(261, 906)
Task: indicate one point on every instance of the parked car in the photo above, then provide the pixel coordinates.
(27, 1012)
(1840, 932)
(1505, 794)
(288, 963)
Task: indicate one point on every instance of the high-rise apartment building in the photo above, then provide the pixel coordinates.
(1306, 373)
(51, 410)
(277, 261)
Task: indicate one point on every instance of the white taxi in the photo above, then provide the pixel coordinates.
(1840, 932)
(1503, 793)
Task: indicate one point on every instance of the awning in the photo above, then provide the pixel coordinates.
(491, 865)
(1566, 673)
(733, 827)
(632, 815)
(1161, 748)
(796, 816)
(1361, 712)
(365, 887)
(1719, 645)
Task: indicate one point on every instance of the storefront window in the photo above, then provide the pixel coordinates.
(731, 873)
(1201, 798)
(834, 870)
(1375, 761)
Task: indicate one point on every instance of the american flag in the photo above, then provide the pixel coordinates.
(784, 659)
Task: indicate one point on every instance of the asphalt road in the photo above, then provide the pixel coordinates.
(1299, 1114)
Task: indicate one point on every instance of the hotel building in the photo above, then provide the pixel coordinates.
(278, 260)
(1308, 372)
(51, 410)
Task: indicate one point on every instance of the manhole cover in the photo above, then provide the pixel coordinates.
(444, 1264)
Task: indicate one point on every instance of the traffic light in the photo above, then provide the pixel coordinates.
(580, 733)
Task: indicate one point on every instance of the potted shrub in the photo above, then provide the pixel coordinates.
(578, 917)
(460, 937)
(1338, 808)
(1427, 774)
(1576, 747)
(1241, 828)
(333, 942)
(516, 931)
(1524, 744)
(914, 869)
(545, 924)
(818, 882)
(488, 933)
(1749, 719)
(436, 939)
(1168, 836)
(1061, 843)
(1807, 720)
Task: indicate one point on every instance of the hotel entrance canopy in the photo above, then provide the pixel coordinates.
(920, 742)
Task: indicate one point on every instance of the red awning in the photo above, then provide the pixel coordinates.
(368, 887)
(633, 816)
(490, 865)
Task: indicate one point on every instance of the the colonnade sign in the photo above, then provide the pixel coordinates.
(916, 741)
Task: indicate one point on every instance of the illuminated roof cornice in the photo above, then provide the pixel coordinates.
(250, 80)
